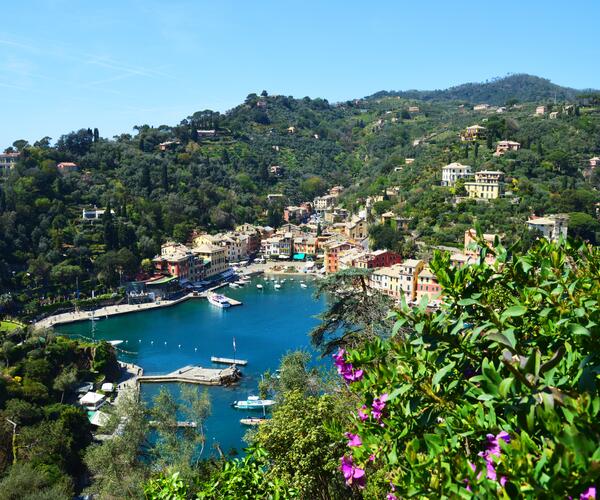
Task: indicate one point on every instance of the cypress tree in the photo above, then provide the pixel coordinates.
(96, 135)
(145, 180)
(164, 177)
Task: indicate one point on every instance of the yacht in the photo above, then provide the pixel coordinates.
(253, 421)
(303, 285)
(259, 286)
(218, 300)
(277, 286)
(253, 403)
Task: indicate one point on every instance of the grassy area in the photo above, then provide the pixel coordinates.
(7, 325)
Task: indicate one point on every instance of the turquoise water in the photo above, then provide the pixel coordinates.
(268, 324)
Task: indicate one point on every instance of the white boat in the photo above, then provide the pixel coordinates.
(259, 286)
(93, 318)
(303, 285)
(233, 285)
(277, 286)
(218, 300)
(253, 403)
(115, 342)
(253, 421)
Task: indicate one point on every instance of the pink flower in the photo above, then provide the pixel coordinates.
(391, 496)
(353, 439)
(371, 458)
(352, 474)
(345, 369)
(362, 413)
(589, 494)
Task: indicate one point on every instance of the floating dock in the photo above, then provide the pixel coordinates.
(179, 424)
(196, 375)
(229, 361)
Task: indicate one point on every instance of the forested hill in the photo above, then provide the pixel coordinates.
(212, 181)
(498, 91)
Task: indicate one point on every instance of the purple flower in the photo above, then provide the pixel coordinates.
(492, 450)
(362, 413)
(589, 494)
(352, 474)
(391, 496)
(345, 369)
(353, 439)
(352, 375)
(378, 406)
(371, 457)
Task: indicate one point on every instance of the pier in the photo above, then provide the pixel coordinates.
(228, 361)
(196, 375)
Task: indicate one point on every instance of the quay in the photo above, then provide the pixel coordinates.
(229, 361)
(196, 375)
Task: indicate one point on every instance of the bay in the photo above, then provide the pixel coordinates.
(269, 324)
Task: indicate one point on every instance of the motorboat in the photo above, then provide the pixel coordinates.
(259, 286)
(233, 285)
(277, 286)
(253, 421)
(253, 403)
(218, 300)
(115, 342)
(303, 285)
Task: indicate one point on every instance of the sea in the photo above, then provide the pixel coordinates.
(269, 323)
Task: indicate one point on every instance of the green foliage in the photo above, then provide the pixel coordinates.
(514, 348)
(166, 488)
(24, 482)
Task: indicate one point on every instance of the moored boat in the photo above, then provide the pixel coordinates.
(277, 286)
(253, 403)
(303, 285)
(253, 421)
(259, 286)
(218, 300)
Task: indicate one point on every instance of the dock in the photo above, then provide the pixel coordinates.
(229, 361)
(196, 375)
(179, 424)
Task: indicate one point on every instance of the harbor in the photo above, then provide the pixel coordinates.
(163, 340)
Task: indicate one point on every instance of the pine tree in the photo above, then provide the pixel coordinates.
(476, 150)
(96, 135)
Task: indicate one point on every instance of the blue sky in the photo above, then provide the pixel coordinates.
(113, 64)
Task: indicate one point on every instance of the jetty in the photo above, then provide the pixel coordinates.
(179, 424)
(196, 375)
(229, 361)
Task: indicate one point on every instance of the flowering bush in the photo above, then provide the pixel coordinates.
(494, 394)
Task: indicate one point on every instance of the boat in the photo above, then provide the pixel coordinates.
(259, 286)
(115, 342)
(218, 300)
(253, 421)
(303, 285)
(93, 318)
(277, 286)
(253, 403)
(233, 285)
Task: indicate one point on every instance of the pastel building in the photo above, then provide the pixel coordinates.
(487, 185)
(455, 171)
(552, 227)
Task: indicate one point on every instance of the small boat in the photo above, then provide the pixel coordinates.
(253, 421)
(253, 403)
(218, 300)
(93, 318)
(115, 342)
(233, 285)
(303, 285)
(277, 286)
(259, 286)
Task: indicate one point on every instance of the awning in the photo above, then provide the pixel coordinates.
(299, 256)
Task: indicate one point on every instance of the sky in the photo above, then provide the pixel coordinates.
(114, 64)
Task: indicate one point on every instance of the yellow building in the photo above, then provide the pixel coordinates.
(473, 133)
(487, 185)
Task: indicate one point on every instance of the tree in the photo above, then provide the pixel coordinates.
(164, 177)
(582, 225)
(96, 135)
(24, 482)
(65, 380)
(356, 312)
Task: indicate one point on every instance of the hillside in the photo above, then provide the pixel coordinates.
(520, 87)
(213, 182)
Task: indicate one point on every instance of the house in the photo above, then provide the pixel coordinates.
(454, 171)
(504, 146)
(164, 146)
(336, 215)
(540, 110)
(595, 162)
(295, 213)
(473, 133)
(275, 197)
(206, 133)
(235, 244)
(92, 401)
(356, 229)
(336, 191)
(276, 170)
(408, 161)
(94, 214)
(552, 227)
(307, 245)
(481, 107)
(428, 286)
(413, 109)
(278, 246)
(213, 257)
(471, 245)
(325, 203)
(553, 115)
(291, 130)
(398, 280)
(333, 250)
(177, 260)
(67, 166)
(7, 162)
(487, 185)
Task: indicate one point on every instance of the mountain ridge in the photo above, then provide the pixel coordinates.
(521, 86)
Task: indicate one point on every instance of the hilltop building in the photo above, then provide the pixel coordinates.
(473, 133)
(552, 227)
(7, 162)
(504, 146)
(487, 185)
(454, 171)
